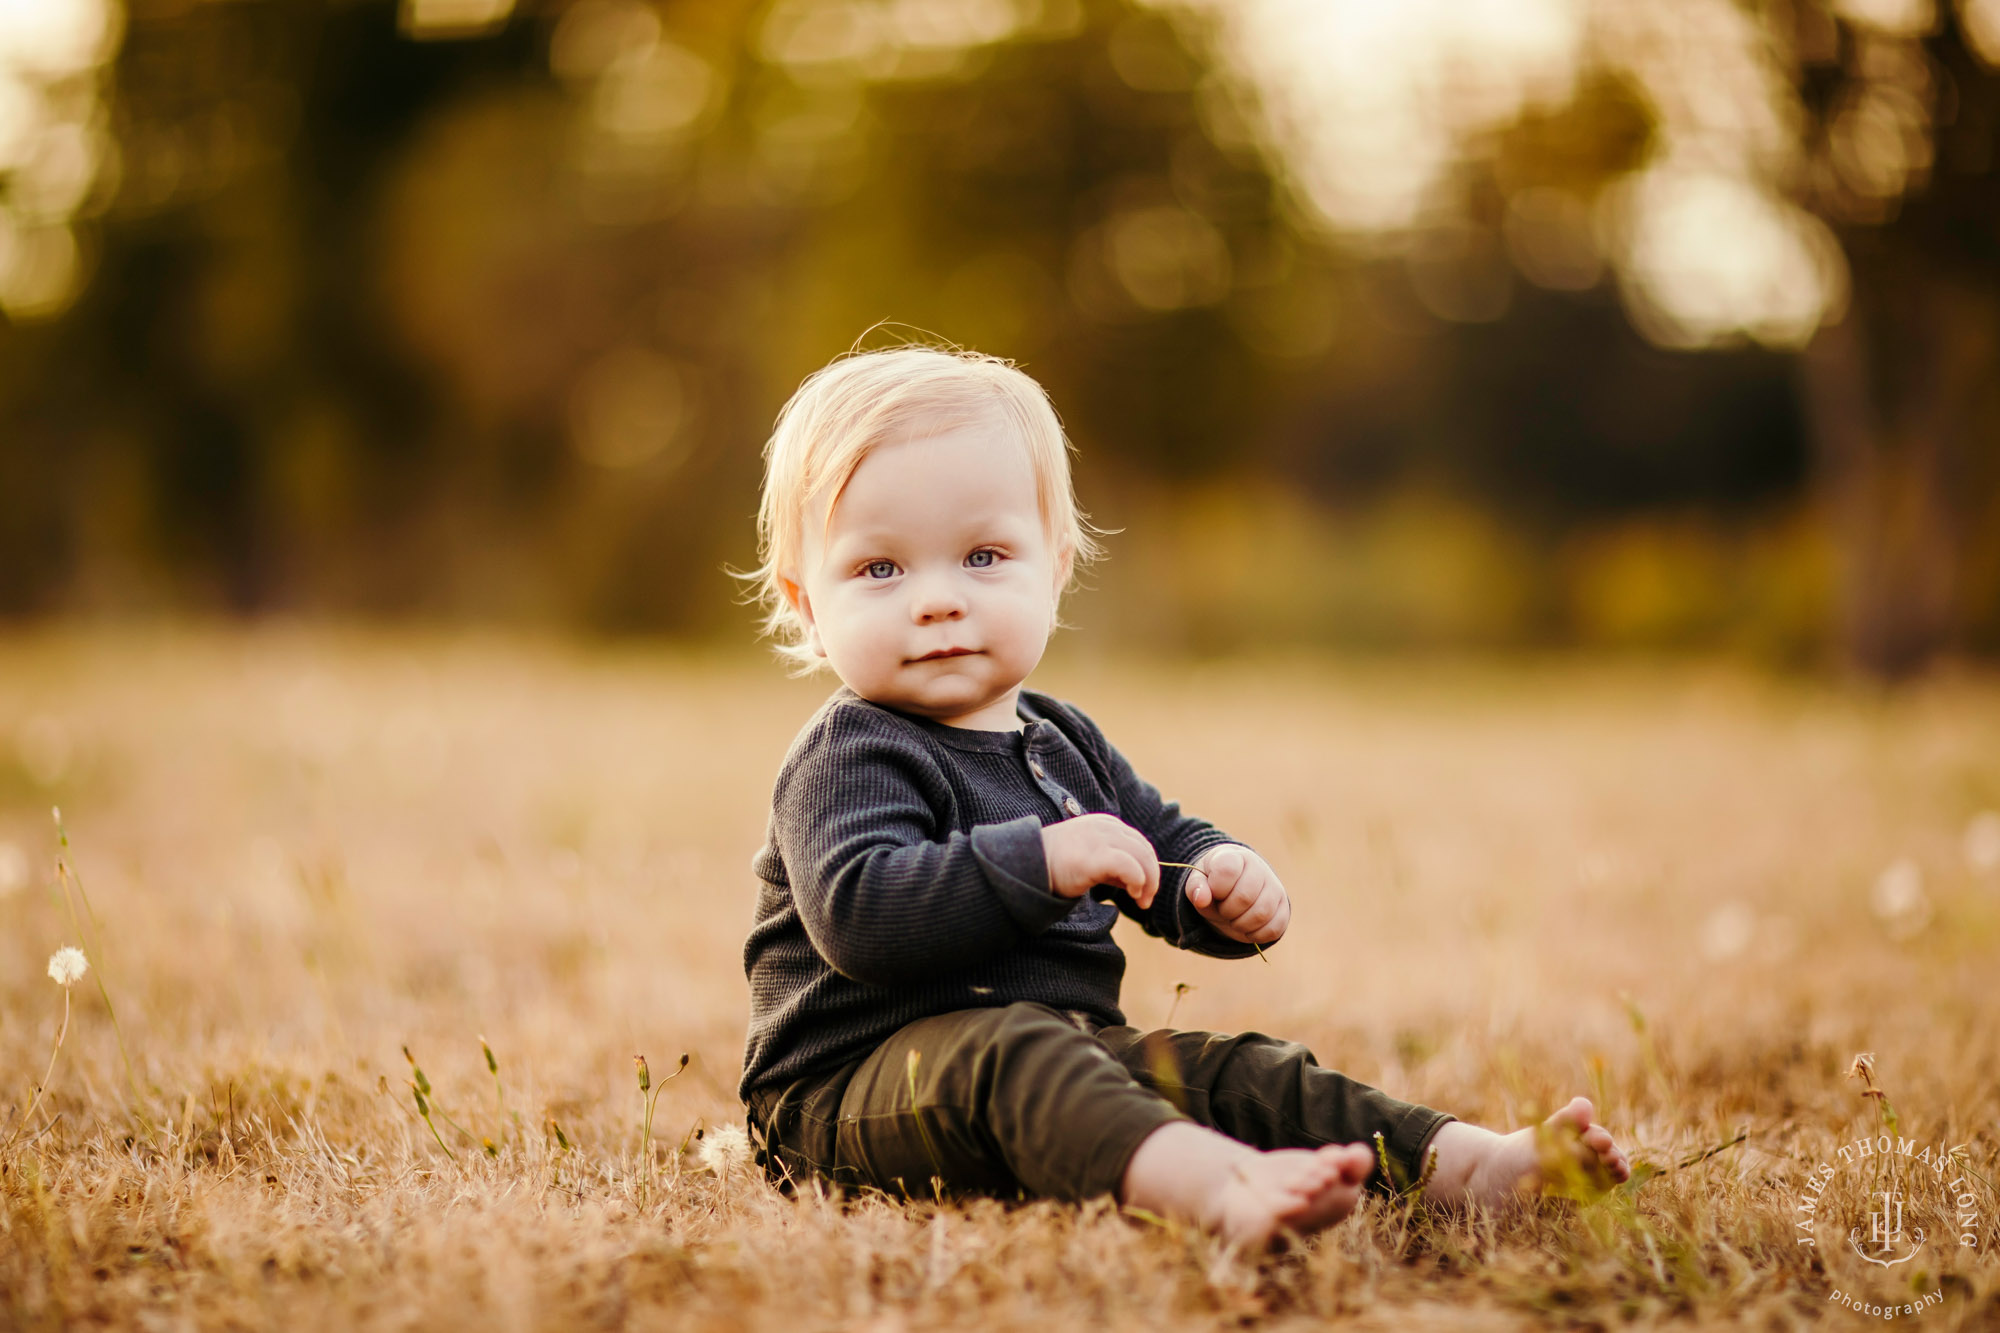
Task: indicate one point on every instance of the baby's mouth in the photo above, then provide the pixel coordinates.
(943, 653)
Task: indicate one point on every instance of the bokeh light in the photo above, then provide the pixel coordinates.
(433, 19)
(1708, 256)
(1375, 112)
(55, 148)
(1371, 104)
(1981, 20)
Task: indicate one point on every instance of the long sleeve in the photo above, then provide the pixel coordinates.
(888, 890)
(1175, 837)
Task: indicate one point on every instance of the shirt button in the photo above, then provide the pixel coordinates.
(1035, 767)
(1070, 804)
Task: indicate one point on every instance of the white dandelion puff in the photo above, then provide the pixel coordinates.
(67, 965)
(1728, 931)
(1899, 899)
(725, 1150)
(13, 869)
(1982, 841)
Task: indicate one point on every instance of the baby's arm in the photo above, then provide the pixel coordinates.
(887, 897)
(1173, 915)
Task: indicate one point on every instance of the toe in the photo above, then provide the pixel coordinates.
(1309, 1183)
(1577, 1114)
(1348, 1164)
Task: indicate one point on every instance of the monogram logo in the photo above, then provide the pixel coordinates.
(1885, 1232)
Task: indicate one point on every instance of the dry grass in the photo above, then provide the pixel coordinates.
(307, 851)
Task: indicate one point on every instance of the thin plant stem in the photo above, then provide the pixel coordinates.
(917, 1115)
(42, 1087)
(499, 1093)
(424, 1110)
(425, 1105)
(94, 941)
(649, 1096)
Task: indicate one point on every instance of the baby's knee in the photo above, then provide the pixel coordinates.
(1028, 1024)
(1036, 1036)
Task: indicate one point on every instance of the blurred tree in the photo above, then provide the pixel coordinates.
(457, 306)
(1065, 207)
(1903, 137)
(1749, 174)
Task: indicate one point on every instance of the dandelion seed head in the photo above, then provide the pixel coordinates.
(725, 1151)
(1899, 899)
(1982, 841)
(1728, 932)
(67, 965)
(13, 869)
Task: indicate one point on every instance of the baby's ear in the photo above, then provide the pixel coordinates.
(795, 596)
(1065, 563)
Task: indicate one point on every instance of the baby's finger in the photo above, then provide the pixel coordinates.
(1261, 910)
(1123, 869)
(1240, 898)
(1149, 865)
(1197, 890)
(1223, 868)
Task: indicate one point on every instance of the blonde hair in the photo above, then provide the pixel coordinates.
(845, 410)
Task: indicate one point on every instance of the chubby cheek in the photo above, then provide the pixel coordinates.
(859, 640)
(1029, 622)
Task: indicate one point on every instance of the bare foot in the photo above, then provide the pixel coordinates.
(1301, 1190)
(1566, 1153)
(1184, 1170)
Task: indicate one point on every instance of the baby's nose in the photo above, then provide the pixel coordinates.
(931, 612)
(935, 600)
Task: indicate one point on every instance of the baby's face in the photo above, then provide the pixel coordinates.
(934, 588)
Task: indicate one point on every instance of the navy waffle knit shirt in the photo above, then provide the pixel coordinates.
(903, 876)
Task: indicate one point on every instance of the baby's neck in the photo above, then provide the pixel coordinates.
(1000, 716)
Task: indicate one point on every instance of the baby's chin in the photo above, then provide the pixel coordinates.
(941, 691)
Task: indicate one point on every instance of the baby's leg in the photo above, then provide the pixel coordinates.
(1480, 1166)
(1021, 1099)
(1274, 1095)
(1008, 1100)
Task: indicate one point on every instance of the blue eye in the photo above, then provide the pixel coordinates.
(982, 559)
(881, 569)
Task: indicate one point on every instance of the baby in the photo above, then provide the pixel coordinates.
(934, 986)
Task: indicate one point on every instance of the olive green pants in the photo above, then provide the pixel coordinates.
(1027, 1100)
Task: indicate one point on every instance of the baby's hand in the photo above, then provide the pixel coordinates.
(1239, 893)
(1100, 849)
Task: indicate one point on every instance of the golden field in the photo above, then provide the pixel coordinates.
(1692, 893)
